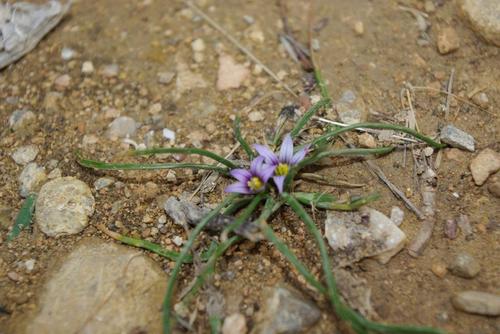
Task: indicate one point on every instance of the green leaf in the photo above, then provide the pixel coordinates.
(329, 202)
(24, 217)
(241, 140)
(307, 116)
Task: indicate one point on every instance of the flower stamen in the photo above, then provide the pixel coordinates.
(282, 169)
(255, 183)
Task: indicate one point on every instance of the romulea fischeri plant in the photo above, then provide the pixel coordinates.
(261, 190)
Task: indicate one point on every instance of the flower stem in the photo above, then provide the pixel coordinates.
(181, 150)
(241, 140)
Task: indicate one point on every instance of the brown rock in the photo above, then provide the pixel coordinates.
(494, 186)
(367, 140)
(447, 41)
(484, 164)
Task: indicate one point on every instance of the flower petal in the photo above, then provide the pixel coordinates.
(300, 155)
(266, 152)
(241, 175)
(239, 188)
(255, 165)
(286, 150)
(279, 181)
(265, 172)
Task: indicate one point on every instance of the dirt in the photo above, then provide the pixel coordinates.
(149, 37)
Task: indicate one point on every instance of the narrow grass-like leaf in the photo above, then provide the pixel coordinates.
(329, 202)
(139, 166)
(241, 140)
(181, 150)
(167, 302)
(215, 324)
(338, 131)
(307, 116)
(23, 218)
(321, 83)
(236, 205)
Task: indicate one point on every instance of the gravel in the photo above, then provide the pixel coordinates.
(455, 137)
(25, 154)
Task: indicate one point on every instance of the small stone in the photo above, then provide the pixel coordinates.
(31, 179)
(439, 269)
(447, 40)
(198, 45)
(464, 265)
(483, 165)
(428, 151)
(67, 53)
(110, 71)
(155, 109)
(87, 67)
(63, 206)
(315, 44)
(168, 134)
(367, 140)
(450, 229)
(256, 35)
(30, 265)
(481, 99)
(397, 215)
(429, 6)
(494, 186)
(359, 28)
(255, 116)
(62, 82)
(464, 224)
(51, 102)
(171, 177)
(484, 18)
(177, 241)
(248, 19)
(198, 57)
(165, 77)
(230, 74)
(187, 80)
(103, 182)
(457, 138)
(235, 324)
(25, 154)
(14, 276)
(285, 311)
(122, 127)
(21, 119)
(477, 302)
(54, 174)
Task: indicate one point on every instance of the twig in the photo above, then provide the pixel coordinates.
(449, 87)
(242, 48)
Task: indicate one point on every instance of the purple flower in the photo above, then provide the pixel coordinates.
(253, 180)
(283, 161)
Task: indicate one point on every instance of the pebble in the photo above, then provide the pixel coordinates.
(450, 229)
(96, 282)
(25, 154)
(494, 186)
(465, 226)
(14, 276)
(439, 269)
(30, 265)
(285, 311)
(62, 82)
(359, 28)
(67, 53)
(230, 74)
(64, 206)
(447, 40)
(177, 240)
(168, 134)
(21, 119)
(484, 18)
(477, 302)
(255, 116)
(397, 215)
(234, 324)
(103, 182)
(122, 127)
(455, 137)
(31, 179)
(367, 140)
(481, 99)
(248, 19)
(110, 71)
(349, 109)
(87, 67)
(198, 45)
(464, 265)
(187, 80)
(256, 35)
(367, 233)
(54, 174)
(51, 102)
(165, 77)
(484, 164)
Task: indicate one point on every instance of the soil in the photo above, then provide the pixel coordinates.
(148, 37)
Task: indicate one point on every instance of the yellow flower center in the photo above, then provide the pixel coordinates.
(281, 170)
(255, 183)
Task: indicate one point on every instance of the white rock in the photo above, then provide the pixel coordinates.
(87, 67)
(20, 119)
(367, 233)
(168, 134)
(484, 164)
(198, 45)
(63, 206)
(255, 116)
(230, 74)
(31, 179)
(235, 324)
(110, 71)
(178, 240)
(397, 215)
(55, 173)
(165, 77)
(62, 82)
(67, 53)
(477, 302)
(30, 265)
(122, 127)
(101, 287)
(103, 182)
(25, 154)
